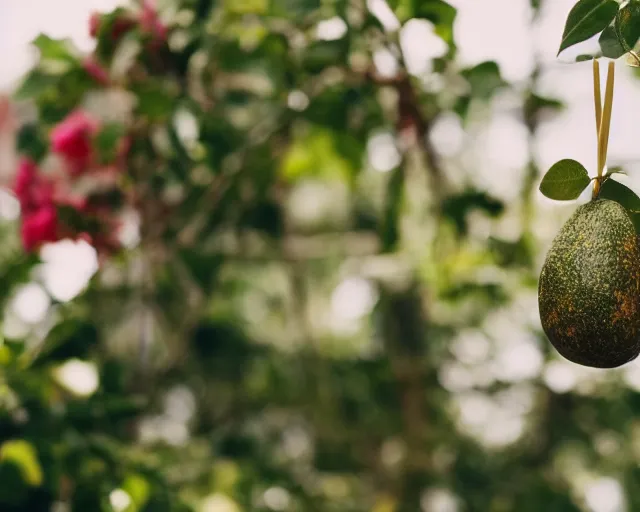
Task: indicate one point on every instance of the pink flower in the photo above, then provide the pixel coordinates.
(120, 26)
(150, 21)
(30, 188)
(94, 24)
(96, 71)
(72, 138)
(25, 178)
(39, 227)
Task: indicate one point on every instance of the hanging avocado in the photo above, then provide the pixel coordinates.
(589, 289)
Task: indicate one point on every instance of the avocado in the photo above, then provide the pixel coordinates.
(589, 289)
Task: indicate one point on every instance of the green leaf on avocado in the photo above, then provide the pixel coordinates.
(609, 44)
(586, 19)
(627, 198)
(565, 180)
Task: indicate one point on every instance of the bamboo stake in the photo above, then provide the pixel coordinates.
(603, 119)
(597, 96)
(605, 124)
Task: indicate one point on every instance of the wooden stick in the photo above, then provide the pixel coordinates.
(605, 124)
(597, 100)
(597, 96)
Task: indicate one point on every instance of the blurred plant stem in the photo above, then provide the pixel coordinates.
(403, 309)
(404, 325)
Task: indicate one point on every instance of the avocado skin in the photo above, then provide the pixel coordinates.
(589, 288)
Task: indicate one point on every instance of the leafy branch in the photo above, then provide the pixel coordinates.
(617, 23)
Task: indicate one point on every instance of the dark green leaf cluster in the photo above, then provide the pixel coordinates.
(617, 23)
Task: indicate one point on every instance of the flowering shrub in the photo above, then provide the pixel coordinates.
(52, 206)
(81, 157)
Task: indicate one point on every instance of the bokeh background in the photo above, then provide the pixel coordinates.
(380, 350)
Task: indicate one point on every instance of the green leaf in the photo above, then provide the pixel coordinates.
(203, 267)
(535, 104)
(247, 7)
(623, 34)
(457, 207)
(586, 19)
(14, 273)
(65, 94)
(318, 154)
(616, 191)
(78, 221)
(293, 9)
(114, 26)
(67, 340)
(609, 44)
(14, 491)
(518, 253)
(138, 488)
(440, 13)
(155, 101)
(106, 141)
(54, 49)
(24, 455)
(565, 180)
(265, 216)
(484, 79)
(461, 106)
(627, 25)
(34, 84)
(322, 54)
(31, 142)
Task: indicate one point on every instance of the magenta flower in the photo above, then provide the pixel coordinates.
(30, 188)
(72, 138)
(39, 227)
(96, 71)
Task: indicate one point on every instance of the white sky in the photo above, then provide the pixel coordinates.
(23, 20)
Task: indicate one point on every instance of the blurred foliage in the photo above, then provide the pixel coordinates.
(322, 312)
